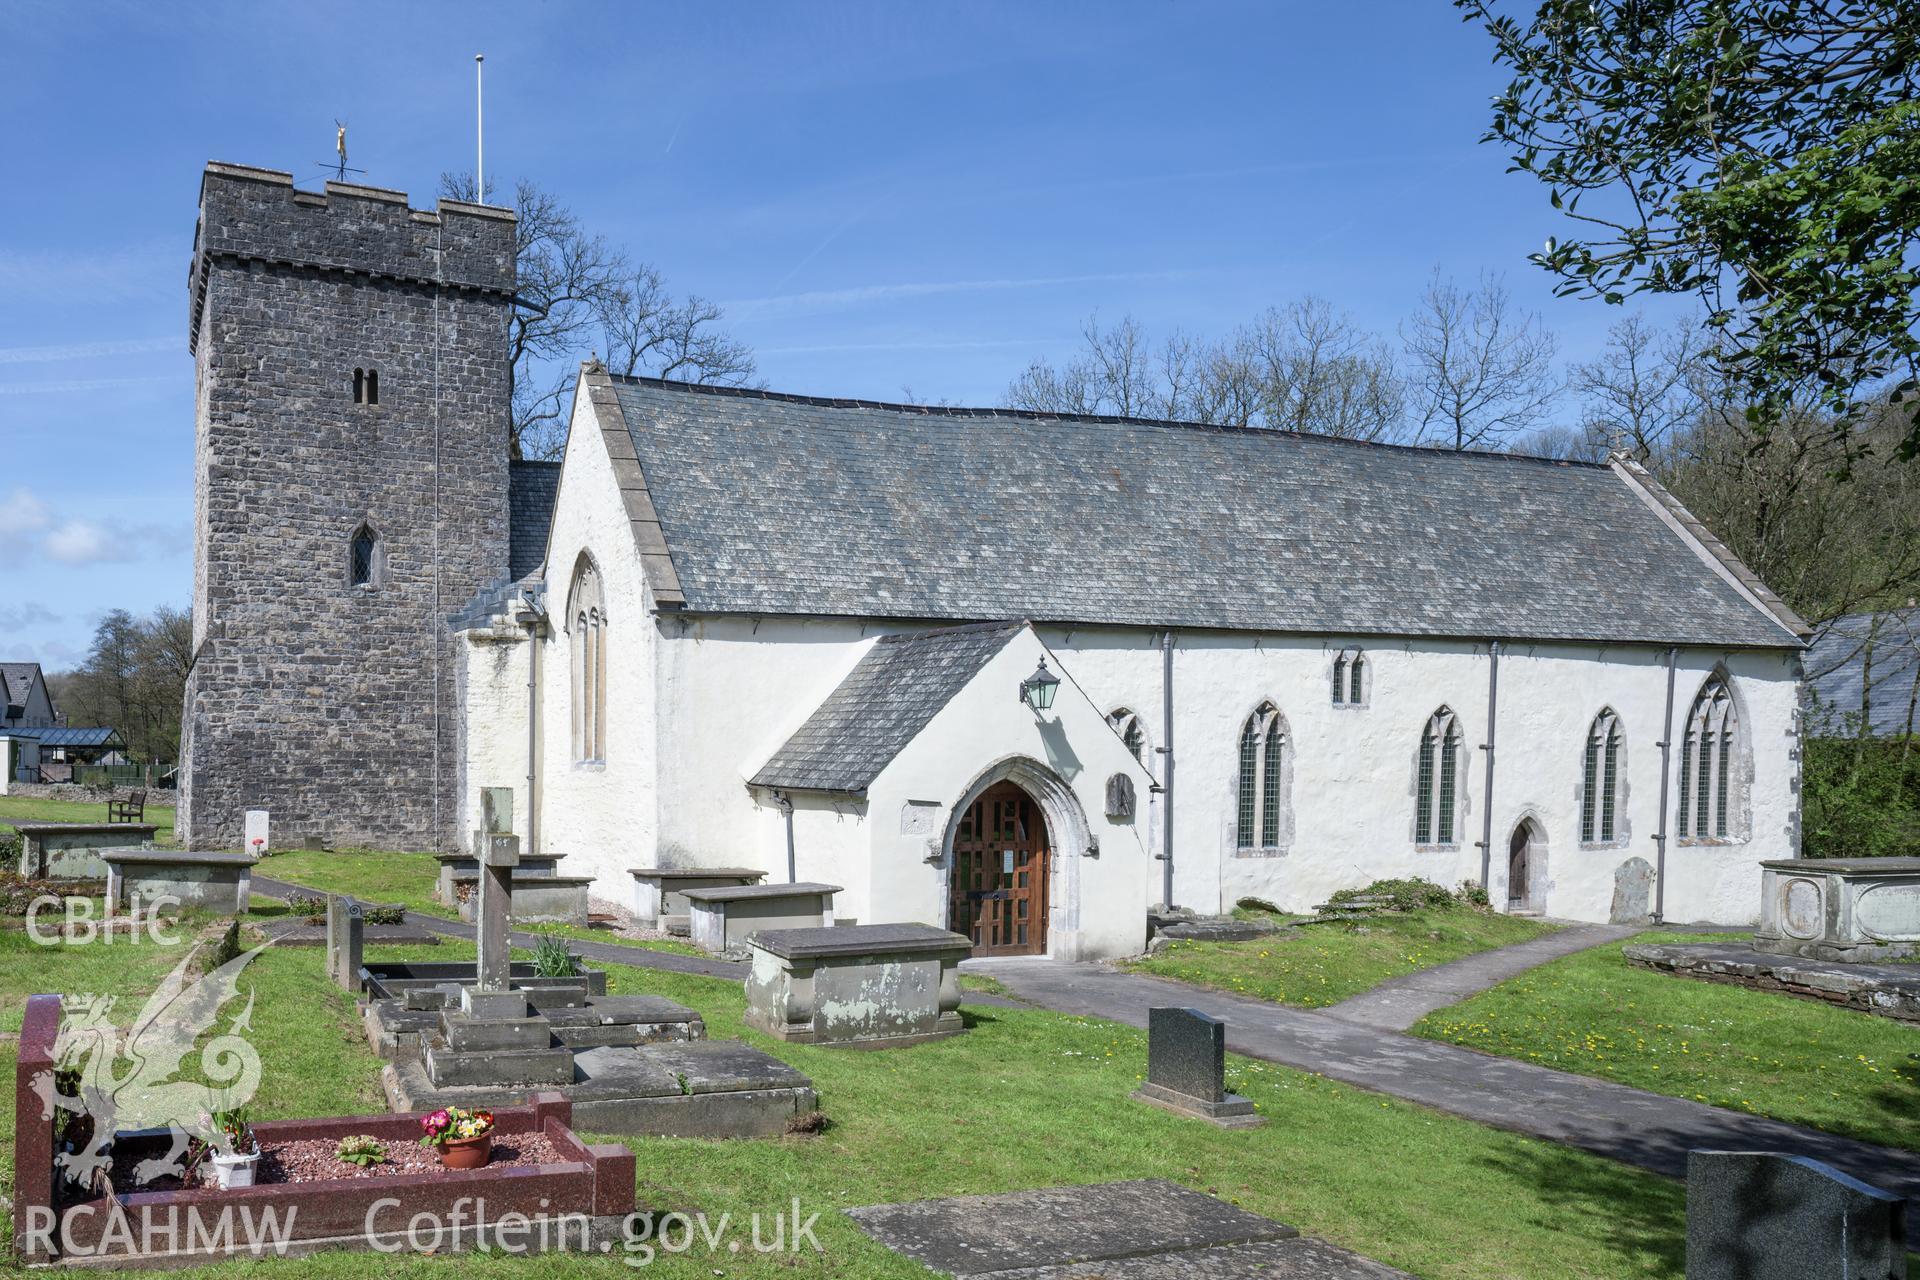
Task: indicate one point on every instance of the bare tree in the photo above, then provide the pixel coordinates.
(573, 287)
(1303, 368)
(1643, 388)
(1478, 370)
(1319, 372)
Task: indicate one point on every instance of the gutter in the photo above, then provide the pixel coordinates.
(1166, 769)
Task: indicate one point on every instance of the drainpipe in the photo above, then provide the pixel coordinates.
(1486, 817)
(1666, 780)
(785, 802)
(532, 621)
(1166, 768)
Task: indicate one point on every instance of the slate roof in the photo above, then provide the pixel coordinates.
(778, 504)
(16, 681)
(891, 694)
(1838, 665)
(531, 489)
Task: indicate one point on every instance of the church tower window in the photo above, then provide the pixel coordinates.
(1263, 815)
(1436, 787)
(363, 557)
(366, 386)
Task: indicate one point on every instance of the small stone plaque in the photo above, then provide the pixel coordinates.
(1759, 1215)
(1120, 799)
(1800, 908)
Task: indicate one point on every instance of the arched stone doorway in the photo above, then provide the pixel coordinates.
(1526, 867)
(1011, 870)
(998, 894)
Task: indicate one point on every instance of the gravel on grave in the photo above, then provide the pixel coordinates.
(313, 1160)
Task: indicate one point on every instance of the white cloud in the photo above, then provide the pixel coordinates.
(28, 613)
(85, 542)
(89, 350)
(29, 528)
(826, 299)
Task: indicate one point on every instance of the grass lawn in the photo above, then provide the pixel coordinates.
(1028, 1098)
(1323, 964)
(671, 946)
(25, 809)
(1775, 1055)
(372, 875)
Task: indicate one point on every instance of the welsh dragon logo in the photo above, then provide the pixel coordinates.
(130, 1080)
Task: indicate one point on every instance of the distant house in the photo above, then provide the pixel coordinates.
(28, 705)
(34, 745)
(1864, 670)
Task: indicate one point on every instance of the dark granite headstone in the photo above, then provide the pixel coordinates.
(1758, 1215)
(1187, 1052)
(1187, 1068)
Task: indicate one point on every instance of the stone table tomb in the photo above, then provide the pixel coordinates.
(723, 919)
(871, 985)
(1859, 910)
(660, 893)
(72, 850)
(220, 882)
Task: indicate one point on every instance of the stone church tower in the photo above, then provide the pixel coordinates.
(350, 499)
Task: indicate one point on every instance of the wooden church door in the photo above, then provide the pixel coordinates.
(1001, 869)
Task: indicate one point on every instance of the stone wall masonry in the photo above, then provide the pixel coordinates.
(332, 705)
(74, 793)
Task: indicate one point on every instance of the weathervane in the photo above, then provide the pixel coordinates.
(339, 165)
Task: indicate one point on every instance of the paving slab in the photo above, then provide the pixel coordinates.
(1648, 1130)
(1302, 1259)
(1398, 1003)
(1058, 1226)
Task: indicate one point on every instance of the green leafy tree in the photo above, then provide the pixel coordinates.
(1761, 154)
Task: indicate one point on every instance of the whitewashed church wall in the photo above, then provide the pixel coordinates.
(603, 816)
(493, 708)
(730, 692)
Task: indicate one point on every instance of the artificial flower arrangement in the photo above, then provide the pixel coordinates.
(465, 1138)
(232, 1145)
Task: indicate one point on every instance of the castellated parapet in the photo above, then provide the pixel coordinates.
(350, 499)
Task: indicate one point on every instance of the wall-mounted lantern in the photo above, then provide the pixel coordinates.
(1037, 690)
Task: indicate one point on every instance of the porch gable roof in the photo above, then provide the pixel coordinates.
(892, 693)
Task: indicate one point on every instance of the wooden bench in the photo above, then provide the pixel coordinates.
(132, 809)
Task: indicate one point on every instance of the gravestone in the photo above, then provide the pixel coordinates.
(1632, 893)
(497, 850)
(346, 941)
(1187, 1069)
(256, 833)
(1759, 1215)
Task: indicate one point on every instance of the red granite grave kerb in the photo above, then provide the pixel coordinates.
(595, 1182)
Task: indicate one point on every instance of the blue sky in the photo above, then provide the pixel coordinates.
(917, 197)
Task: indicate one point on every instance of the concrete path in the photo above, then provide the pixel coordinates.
(1398, 1003)
(1648, 1130)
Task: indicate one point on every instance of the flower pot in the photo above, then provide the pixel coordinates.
(467, 1153)
(234, 1171)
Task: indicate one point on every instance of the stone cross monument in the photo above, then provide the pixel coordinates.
(497, 850)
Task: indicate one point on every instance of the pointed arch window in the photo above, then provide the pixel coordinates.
(1600, 779)
(587, 621)
(1262, 820)
(1132, 732)
(1708, 810)
(1436, 785)
(363, 557)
